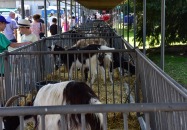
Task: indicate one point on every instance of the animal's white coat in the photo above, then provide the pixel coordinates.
(85, 42)
(50, 95)
(92, 64)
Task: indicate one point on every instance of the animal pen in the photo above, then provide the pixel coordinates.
(150, 99)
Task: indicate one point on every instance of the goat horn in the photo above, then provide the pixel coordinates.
(12, 99)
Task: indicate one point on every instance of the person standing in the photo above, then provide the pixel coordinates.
(50, 19)
(65, 24)
(36, 26)
(72, 23)
(42, 28)
(11, 29)
(4, 44)
(53, 27)
(27, 35)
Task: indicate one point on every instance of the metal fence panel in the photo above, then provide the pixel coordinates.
(26, 66)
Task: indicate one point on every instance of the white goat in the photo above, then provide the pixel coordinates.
(85, 42)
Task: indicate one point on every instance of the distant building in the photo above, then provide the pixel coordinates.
(31, 6)
(7, 4)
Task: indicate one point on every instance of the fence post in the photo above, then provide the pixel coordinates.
(1, 124)
(7, 75)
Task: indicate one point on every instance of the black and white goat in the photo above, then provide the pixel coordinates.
(63, 93)
(86, 61)
(13, 122)
(122, 63)
(68, 93)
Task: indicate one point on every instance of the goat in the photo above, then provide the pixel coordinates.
(85, 42)
(83, 61)
(13, 122)
(122, 63)
(68, 93)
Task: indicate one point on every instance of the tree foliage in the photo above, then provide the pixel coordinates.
(175, 21)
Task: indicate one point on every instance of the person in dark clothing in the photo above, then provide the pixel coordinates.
(42, 25)
(53, 27)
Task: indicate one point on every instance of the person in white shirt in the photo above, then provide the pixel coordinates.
(72, 22)
(50, 20)
(27, 35)
(11, 29)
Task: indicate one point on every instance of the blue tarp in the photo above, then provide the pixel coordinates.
(51, 11)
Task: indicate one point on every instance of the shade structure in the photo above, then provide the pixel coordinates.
(99, 4)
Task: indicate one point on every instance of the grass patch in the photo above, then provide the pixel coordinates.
(175, 66)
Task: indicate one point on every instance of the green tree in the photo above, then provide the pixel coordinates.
(176, 21)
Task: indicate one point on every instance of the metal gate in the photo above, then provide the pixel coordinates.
(164, 100)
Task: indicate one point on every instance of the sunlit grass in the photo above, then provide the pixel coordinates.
(175, 66)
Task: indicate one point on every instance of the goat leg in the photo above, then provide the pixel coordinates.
(86, 74)
(93, 78)
(110, 74)
(103, 73)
